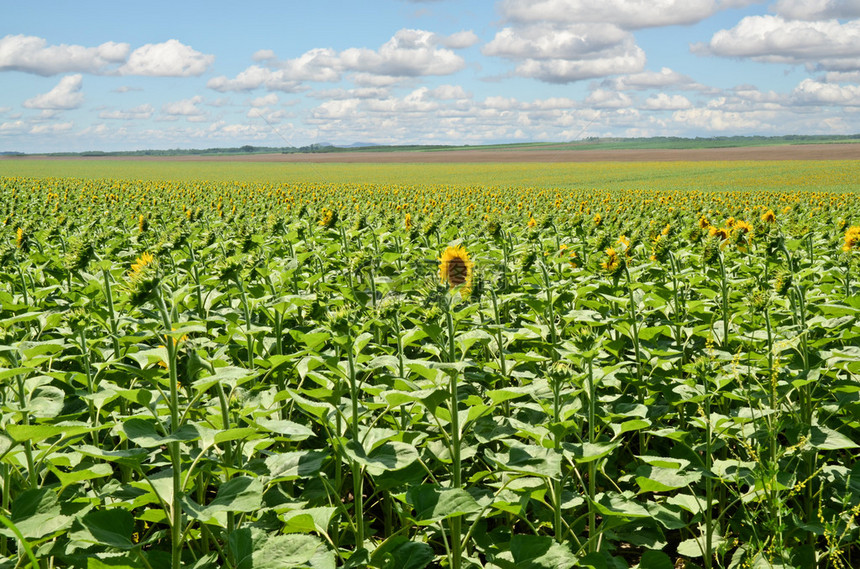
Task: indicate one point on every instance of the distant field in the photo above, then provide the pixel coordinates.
(689, 173)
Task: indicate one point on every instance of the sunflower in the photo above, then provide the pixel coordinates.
(407, 222)
(455, 268)
(768, 216)
(613, 264)
(852, 238)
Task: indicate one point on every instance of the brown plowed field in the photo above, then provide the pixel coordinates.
(543, 154)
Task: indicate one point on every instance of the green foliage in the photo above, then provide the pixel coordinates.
(238, 386)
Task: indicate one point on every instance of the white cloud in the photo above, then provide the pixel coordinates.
(336, 109)
(664, 102)
(627, 14)
(51, 128)
(817, 9)
(265, 101)
(460, 40)
(371, 80)
(263, 55)
(144, 111)
(185, 108)
(602, 99)
(66, 95)
(810, 92)
(360, 93)
(556, 54)
(409, 53)
(31, 54)
(449, 92)
(717, 120)
(544, 41)
(168, 59)
(253, 78)
(625, 59)
(13, 127)
(828, 45)
(843, 77)
(665, 78)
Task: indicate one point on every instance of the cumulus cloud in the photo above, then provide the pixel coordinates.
(828, 45)
(563, 54)
(360, 93)
(144, 111)
(66, 95)
(13, 127)
(811, 92)
(602, 99)
(185, 108)
(32, 54)
(663, 79)
(817, 9)
(627, 14)
(51, 128)
(717, 120)
(460, 40)
(449, 92)
(409, 53)
(168, 59)
(255, 77)
(265, 100)
(664, 102)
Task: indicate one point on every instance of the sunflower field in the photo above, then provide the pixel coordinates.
(268, 375)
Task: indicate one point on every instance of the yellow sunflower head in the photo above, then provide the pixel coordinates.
(852, 239)
(455, 268)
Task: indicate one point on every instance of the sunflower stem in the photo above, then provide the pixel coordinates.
(456, 521)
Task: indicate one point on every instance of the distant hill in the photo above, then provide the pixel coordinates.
(594, 143)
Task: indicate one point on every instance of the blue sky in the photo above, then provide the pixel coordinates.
(88, 75)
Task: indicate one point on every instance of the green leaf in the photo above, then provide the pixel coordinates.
(288, 429)
(540, 552)
(112, 528)
(37, 514)
(468, 339)
(432, 503)
(47, 402)
(658, 479)
(501, 395)
(391, 455)
(240, 494)
(586, 452)
(81, 473)
(614, 504)
(695, 546)
(38, 433)
(400, 553)
(282, 551)
(123, 562)
(828, 439)
(652, 559)
(529, 459)
(131, 457)
(308, 519)
(142, 433)
(295, 464)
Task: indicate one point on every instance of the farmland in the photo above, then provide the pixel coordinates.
(532, 365)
